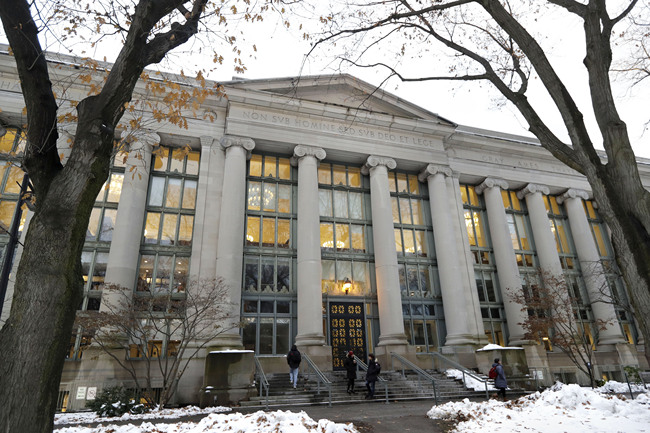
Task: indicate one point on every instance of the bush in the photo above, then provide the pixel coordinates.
(115, 401)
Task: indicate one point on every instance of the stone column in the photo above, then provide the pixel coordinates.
(389, 298)
(545, 243)
(310, 297)
(125, 245)
(208, 209)
(592, 268)
(504, 255)
(460, 320)
(232, 222)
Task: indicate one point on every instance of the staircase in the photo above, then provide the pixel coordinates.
(282, 393)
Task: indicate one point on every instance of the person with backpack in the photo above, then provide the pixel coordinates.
(499, 375)
(371, 376)
(293, 359)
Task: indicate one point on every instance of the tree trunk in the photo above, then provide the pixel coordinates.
(48, 291)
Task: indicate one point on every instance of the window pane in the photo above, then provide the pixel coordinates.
(115, 187)
(266, 307)
(328, 276)
(402, 185)
(600, 241)
(181, 271)
(562, 237)
(284, 201)
(254, 191)
(416, 206)
(405, 211)
(392, 185)
(189, 194)
(361, 277)
(168, 235)
(340, 204)
(93, 223)
(409, 242)
(281, 336)
(156, 191)
(266, 336)
(327, 236)
(283, 275)
(342, 237)
(343, 271)
(420, 243)
(432, 338)
(192, 166)
(7, 141)
(268, 232)
(358, 239)
(469, 224)
(160, 159)
(269, 199)
(178, 156)
(418, 332)
(14, 180)
(108, 224)
(163, 274)
(249, 333)
(151, 228)
(402, 278)
(102, 192)
(425, 284)
(255, 166)
(523, 233)
(253, 231)
(354, 177)
(324, 174)
(480, 235)
(268, 273)
(284, 233)
(145, 274)
(398, 242)
(185, 230)
(270, 166)
(339, 175)
(284, 169)
(356, 205)
(325, 203)
(283, 307)
(173, 193)
(489, 287)
(86, 261)
(412, 279)
(473, 198)
(414, 185)
(99, 271)
(251, 273)
(395, 206)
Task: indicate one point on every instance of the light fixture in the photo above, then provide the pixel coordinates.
(347, 284)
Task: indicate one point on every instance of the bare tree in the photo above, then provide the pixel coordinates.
(494, 42)
(154, 337)
(48, 282)
(555, 317)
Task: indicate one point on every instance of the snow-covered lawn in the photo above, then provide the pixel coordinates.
(91, 417)
(563, 409)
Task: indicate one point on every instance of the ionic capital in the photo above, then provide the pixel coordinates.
(432, 170)
(491, 182)
(207, 140)
(301, 151)
(532, 188)
(228, 141)
(573, 193)
(376, 161)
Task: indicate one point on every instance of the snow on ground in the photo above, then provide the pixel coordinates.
(562, 408)
(470, 382)
(258, 422)
(91, 417)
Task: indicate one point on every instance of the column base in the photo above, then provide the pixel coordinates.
(321, 355)
(227, 341)
(315, 339)
(604, 340)
(462, 340)
(392, 340)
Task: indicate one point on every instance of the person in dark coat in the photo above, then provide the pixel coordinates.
(500, 382)
(371, 376)
(293, 359)
(350, 365)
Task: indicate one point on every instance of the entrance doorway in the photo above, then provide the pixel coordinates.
(347, 331)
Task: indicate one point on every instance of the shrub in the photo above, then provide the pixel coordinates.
(115, 401)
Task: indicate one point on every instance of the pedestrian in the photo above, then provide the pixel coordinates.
(350, 365)
(371, 376)
(500, 382)
(293, 359)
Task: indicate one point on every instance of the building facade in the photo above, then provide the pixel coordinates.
(341, 218)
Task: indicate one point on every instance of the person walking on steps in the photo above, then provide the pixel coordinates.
(293, 359)
(350, 365)
(500, 381)
(371, 376)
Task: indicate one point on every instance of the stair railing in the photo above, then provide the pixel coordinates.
(320, 377)
(422, 375)
(444, 360)
(261, 378)
(364, 367)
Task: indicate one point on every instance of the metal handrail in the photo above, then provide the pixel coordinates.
(421, 373)
(462, 369)
(264, 384)
(320, 377)
(363, 366)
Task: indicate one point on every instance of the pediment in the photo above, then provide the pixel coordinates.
(341, 90)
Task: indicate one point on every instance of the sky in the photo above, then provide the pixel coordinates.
(562, 408)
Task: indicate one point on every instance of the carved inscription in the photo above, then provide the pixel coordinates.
(494, 159)
(338, 128)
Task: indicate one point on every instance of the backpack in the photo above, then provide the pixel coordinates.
(493, 373)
